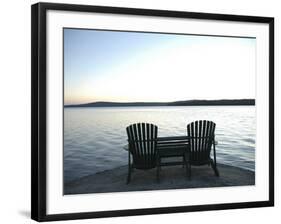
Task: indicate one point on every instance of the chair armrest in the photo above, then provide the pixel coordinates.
(126, 147)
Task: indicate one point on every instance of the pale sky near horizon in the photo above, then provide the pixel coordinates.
(149, 67)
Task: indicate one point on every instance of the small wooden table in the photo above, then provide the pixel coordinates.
(168, 147)
(175, 146)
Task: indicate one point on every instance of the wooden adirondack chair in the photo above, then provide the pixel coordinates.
(202, 138)
(142, 139)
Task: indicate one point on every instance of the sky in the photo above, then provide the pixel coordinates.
(121, 66)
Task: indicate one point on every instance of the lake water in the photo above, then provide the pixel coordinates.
(94, 137)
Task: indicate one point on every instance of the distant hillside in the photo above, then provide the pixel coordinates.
(213, 102)
(117, 104)
(238, 102)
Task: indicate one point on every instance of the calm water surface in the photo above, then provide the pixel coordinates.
(94, 137)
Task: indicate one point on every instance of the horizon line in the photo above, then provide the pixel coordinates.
(158, 102)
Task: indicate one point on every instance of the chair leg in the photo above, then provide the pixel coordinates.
(129, 174)
(158, 174)
(214, 166)
(186, 170)
(186, 165)
(189, 170)
(158, 169)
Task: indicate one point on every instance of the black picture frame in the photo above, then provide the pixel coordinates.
(39, 107)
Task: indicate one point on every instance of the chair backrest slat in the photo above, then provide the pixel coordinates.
(145, 151)
(201, 135)
(206, 140)
(139, 136)
(142, 139)
(147, 130)
(196, 140)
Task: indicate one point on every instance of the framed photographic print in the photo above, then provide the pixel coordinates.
(141, 111)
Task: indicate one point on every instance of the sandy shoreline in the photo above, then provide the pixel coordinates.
(170, 178)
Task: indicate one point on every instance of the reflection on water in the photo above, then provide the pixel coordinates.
(94, 137)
